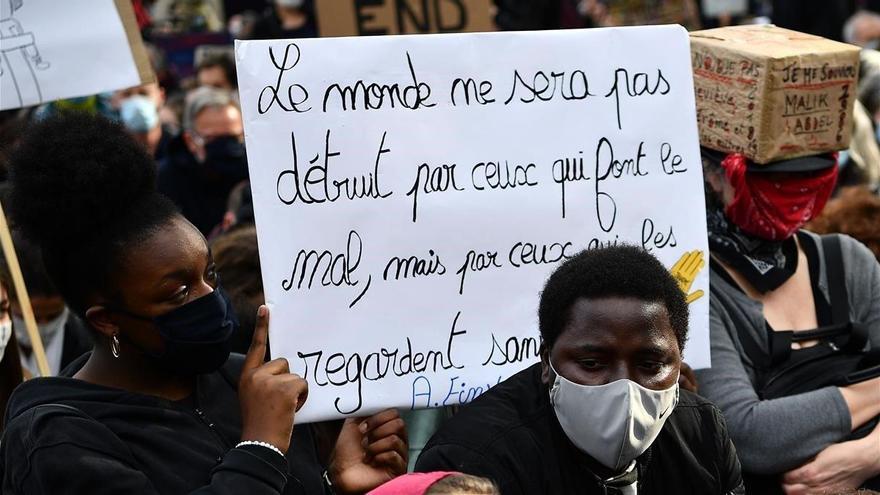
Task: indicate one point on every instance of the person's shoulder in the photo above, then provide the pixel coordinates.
(694, 417)
(508, 412)
(851, 248)
(855, 251)
(57, 426)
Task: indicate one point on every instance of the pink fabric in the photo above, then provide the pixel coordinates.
(411, 484)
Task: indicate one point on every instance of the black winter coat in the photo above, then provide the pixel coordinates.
(511, 435)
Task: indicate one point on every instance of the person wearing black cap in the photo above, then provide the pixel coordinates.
(795, 328)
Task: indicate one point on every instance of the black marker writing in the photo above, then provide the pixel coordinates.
(568, 170)
(414, 266)
(470, 89)
(545, 88)
(338, 269)
(638, 85)
(613, 168)
(476, 262)
(374, 96)
(316, 186)
(494, 175)
(340, 370)
(292, 104)
(432, 179)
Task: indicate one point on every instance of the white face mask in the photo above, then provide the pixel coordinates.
(291, 4)
(613, 423)
(47, 330)
(5, 334)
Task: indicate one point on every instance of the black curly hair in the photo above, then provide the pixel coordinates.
(613, 271)
(84, 191)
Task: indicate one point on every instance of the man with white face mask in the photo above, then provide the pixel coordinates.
(602, 413)
(65, 337)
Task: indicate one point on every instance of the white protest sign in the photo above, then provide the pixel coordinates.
(413, 193)
(51, 50)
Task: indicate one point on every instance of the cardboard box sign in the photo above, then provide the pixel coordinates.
(376, 17)
(772, 93)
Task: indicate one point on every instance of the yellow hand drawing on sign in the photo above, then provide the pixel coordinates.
(685, 271)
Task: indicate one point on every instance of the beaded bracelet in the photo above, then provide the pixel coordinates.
(261, 444)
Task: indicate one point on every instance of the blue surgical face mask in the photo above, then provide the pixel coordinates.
(196, 335)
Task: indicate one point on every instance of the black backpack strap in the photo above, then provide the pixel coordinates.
(834, 273)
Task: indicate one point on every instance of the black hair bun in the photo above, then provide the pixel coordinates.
(74, 175)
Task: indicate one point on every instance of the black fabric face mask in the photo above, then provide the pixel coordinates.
(226, 157)
(196, 335)
(765, 264)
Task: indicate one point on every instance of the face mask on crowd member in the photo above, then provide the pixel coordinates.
(775, 205)
(754, 211)
(5, 321)
(196, 336)
(50, 313)
(215, 134)
(613, 376)
(140, 118)
(151, 91)
(290, 4)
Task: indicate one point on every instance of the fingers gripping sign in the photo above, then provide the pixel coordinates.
(269, 394)
(369, 452)
(685, 271)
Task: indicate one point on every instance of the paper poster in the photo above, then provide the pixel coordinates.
(51, 50)
(358, 18)
(413, 193)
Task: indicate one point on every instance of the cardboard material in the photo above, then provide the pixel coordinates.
(356, 18)
(135, 41)
(772, 93)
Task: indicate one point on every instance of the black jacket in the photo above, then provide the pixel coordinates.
(68, 436)
(201, 196)
(511, 435)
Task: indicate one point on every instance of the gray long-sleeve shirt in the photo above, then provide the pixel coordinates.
(773, 436)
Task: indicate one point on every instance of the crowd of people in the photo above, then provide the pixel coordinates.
(133, 224)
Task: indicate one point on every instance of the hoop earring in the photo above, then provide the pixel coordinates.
(114, 345)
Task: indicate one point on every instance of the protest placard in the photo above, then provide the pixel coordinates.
(51, 50)
(356, 18)
(412, 194)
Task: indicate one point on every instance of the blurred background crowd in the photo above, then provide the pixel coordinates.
(190, 122)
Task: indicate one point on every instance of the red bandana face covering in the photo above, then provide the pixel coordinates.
(774, 209)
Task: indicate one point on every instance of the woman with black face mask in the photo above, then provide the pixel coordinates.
(159, 406)
(795, 329)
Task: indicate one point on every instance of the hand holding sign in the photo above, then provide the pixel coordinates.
(269, 393)
(685, 271)
(369, 452)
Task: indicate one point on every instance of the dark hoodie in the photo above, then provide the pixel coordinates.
(65, 435)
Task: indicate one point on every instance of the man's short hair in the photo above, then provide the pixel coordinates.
(614, 271)
(203, 98)
(222, 60)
